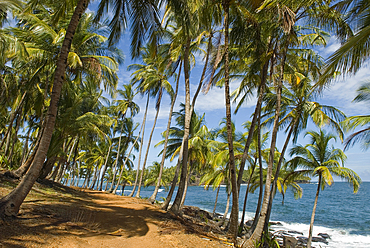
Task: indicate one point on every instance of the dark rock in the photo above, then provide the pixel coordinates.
(320, 239)
(295, 232)
(249, 223)
(197, 212)
(324, 235)
(275, 223)
(289, 242)
(302, 239)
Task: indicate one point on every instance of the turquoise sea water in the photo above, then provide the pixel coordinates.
(340, 213)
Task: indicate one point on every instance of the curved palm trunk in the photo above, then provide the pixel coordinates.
(11, 120)
(104, 170)
(154, 195)
(234, 216)
(18, 173)
(260, 195)
(166, 203)
(149, 142)
(25, 146)
(175, 208)
(121, 173)
(309, 241)
(257, 111)
(214, 208)
(95, 176)
(15, 137)
(274, 184)
(73, 163)
(10, 204)
(246, 196)
(222, 222)
(116, 162)
(174, 181)
(186, 185)
(261, 222)
(123, 165)
(141, 147)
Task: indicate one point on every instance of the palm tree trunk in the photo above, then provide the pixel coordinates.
(95, 176)
(154, 195)
(260, 195)
(104, 169)
(149, 142)
(166, 203)
(15, 137)
(128, 155)
(274, 183)
(174, 181)
(18, 173)
(10, 204)
(309, 241)
(246, 196)
(234, 216)
(214, 208)
(227, 206)
(11, 120)
(74, 163)
(186, 185)
(261, 222)
(141, 147)
(25, 146)
(175, 208)
(116, 162)
(257, 111)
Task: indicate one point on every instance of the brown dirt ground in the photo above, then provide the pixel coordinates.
(57, 216)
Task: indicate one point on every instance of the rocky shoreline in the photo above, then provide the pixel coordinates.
(285, 238)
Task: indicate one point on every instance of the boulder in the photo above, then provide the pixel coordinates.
(275, 223)
(249, 223)
(320, 239)
(295, 232)
(324, 235)
(289, 242)
(302, 239)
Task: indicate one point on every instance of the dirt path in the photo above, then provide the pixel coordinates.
(65, 217)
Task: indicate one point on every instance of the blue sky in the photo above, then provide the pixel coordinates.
(340, 94)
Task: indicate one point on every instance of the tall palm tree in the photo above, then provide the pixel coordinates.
(153, 80)
(9, 205)
(123, 105)
(320, 159)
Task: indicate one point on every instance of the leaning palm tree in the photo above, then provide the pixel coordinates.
(144, 13)
(319, 159)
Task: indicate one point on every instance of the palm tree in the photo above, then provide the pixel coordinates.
(153, 80)
(352, 122)
(121, 108)
(9, 205)
(319, 159)
(354, 50)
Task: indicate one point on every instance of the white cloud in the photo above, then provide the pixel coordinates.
(342, 92)
(215, 99)
(328, 50)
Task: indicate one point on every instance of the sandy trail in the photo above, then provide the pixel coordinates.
(85, 218)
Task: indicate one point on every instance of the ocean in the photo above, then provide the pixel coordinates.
(340, 213)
